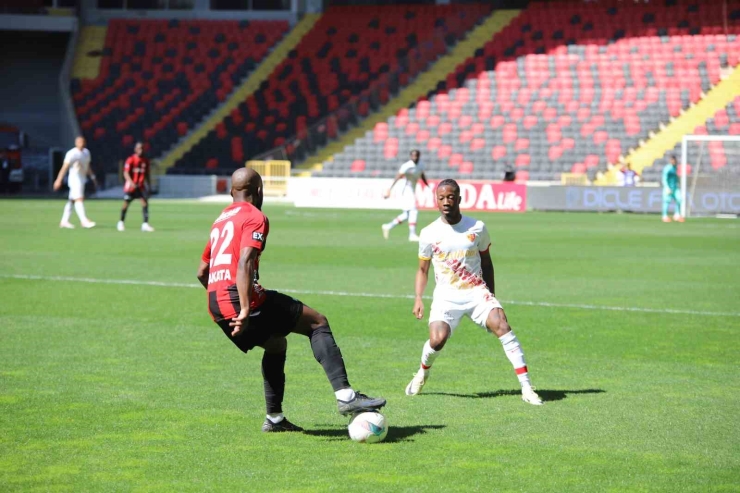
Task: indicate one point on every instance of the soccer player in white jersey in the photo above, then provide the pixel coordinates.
(77, 162)
(409, 173)
(458, 246)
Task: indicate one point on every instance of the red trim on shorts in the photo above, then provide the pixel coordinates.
(521, 371)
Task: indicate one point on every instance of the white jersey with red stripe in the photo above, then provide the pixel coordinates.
(454, 250)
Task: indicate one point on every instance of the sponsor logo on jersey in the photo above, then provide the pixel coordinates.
(471, 237)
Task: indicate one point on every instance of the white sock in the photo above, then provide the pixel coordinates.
(413, 216)
(428, 355)
(275, 418)
(514, 352)
(345, 395)
(80, 210)
(67, 212)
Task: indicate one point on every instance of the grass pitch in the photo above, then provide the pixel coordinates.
(113, 377)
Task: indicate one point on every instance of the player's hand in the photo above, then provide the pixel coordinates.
(387, 194)
(129, 185)
(57, 184)
(240, 322)
(418, 310)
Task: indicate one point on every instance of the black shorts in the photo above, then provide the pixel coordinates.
(136, 193)
(276, 317)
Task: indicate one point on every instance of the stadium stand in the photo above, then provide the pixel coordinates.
(724, 122)
(349, 52)
(566, 87)
(158, 79)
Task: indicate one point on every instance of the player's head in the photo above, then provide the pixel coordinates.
(139, 148)
(80, 142)
(246, 186)
(448, 200)
(415, 155)
(674, 161)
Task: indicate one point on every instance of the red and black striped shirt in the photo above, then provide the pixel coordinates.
(240, 225)
(137, 168)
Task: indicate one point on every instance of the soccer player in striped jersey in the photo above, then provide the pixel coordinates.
(136, 172)
(458, 246)
(251, 316)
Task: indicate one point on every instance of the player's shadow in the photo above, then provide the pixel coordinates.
(395, 433)
(546, 395)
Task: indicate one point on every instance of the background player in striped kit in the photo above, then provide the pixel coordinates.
(136, 172)
(251, 316)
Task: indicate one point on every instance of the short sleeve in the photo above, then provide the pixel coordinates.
(127, 165)
(484, 240)
(425, 247)
(69, 157)
(206, 257)
(405, 167)
(254, 232)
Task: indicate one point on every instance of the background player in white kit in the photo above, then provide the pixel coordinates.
(409, 173)
(77, 162)
(458, 246)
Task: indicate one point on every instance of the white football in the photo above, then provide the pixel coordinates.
(368, 427)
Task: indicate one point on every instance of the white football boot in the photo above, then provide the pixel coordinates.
(120, 226)
(417, 383)
(530, 396)
(146, 228)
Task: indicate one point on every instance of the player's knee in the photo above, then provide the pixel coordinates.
(319, 320)
(497, 324)
(276, 345)
(438, 339)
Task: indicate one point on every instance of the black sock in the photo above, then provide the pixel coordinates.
(123, 214)
(145, 213)
(327, 353)
(273, 373)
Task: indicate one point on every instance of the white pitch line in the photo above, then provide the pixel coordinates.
(134, 282)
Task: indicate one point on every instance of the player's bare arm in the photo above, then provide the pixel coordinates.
(422, 278)
(203, 271)
(424, 179)
(127, 178)
(486, 265)
(62, 172)
(244, 283)
(92, 176)
(388, 192)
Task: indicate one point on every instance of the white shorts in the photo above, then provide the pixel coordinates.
(76, 189)
(476, 307)
(408, 201)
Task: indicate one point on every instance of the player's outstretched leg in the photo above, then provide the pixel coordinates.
(273, 374)
(497, 323)
(80, 210)
(387, 227)
(413, 215)
(677, 214)
(439, 332)
(666, 205)
(64, 223)
(124, 209)
(145, 215)
(316, 327)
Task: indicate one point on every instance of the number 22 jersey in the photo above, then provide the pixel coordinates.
(240, 225)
